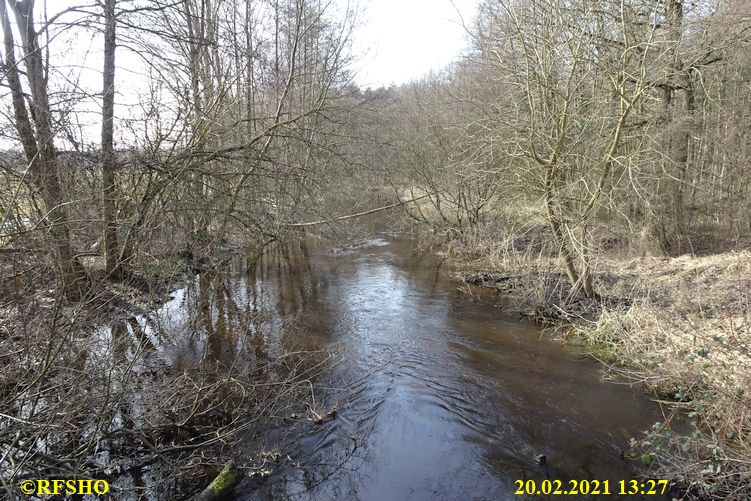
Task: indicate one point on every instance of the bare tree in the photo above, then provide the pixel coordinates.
(111, 248)
(577, 73)
(38, 142)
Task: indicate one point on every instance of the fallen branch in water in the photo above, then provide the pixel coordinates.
(221, 485)
(320, 418)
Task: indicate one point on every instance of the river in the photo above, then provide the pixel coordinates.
(439, 393)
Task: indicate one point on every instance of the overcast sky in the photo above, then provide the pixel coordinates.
(396, 41)
(404, 39)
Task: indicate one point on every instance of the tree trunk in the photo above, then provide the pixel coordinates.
(39, 145)
(554, 220)
(113, 266)
(677, 140)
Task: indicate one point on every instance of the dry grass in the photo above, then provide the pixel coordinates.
(681, 326)
(688, 336)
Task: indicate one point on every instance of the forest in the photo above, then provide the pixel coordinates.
(588, 160)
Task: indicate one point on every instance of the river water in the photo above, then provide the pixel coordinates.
(439, 393)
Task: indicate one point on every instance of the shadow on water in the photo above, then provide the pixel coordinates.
(439, 395)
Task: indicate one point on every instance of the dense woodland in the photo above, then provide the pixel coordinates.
(571, 138)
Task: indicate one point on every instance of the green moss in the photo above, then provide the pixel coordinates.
(225, 480)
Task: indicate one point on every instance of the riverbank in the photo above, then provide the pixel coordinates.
(102, 385)
(679, 326)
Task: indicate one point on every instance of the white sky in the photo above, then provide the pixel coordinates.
(396, 41)
(405, 39)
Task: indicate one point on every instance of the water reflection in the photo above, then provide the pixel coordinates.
(443, 397)
(439, 397)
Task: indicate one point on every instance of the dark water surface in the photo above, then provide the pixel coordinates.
(440, 395)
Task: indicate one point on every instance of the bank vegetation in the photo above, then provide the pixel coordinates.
(589, 159)
(142, 142)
